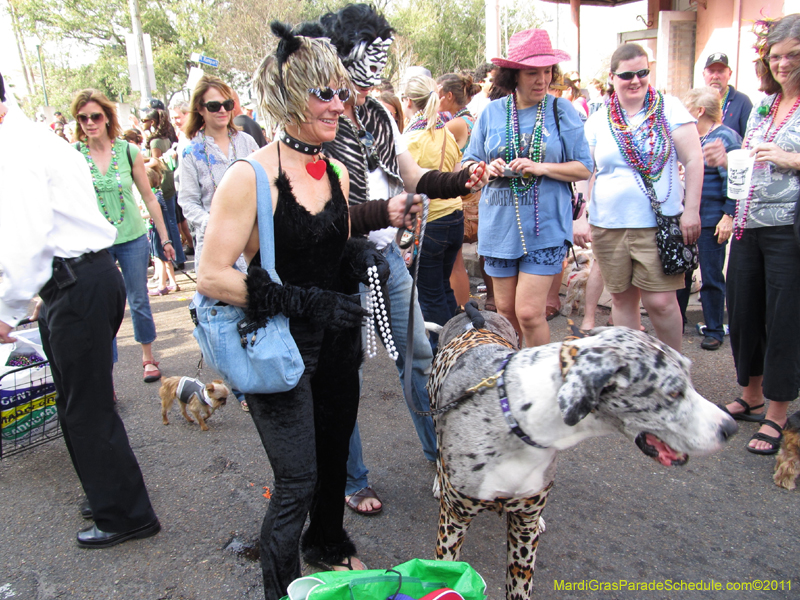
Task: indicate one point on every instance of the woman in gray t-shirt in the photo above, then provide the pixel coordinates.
(763, 274)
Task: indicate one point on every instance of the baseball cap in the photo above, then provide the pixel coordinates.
(717, 57)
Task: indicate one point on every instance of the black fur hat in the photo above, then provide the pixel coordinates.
(353, 24)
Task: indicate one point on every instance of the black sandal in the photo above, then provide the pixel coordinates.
(775, 442)
(747, 414)
(347, 563)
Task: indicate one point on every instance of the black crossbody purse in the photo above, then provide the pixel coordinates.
(676, 257)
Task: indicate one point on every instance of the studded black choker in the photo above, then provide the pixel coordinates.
(295, 144)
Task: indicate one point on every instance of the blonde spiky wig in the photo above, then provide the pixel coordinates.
(299, 63)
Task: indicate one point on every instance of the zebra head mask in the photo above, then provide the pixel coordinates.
(366, 62)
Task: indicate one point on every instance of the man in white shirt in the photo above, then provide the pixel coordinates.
(54, 244)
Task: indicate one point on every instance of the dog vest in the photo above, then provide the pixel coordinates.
(447, 356)
(188, 387)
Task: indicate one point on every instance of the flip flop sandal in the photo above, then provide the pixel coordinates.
(490, 305)
(347, 563)
(151, 376)
(775, 442)
(365, 493)
(551, 312)
(748, 414)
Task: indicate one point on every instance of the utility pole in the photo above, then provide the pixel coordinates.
(41, 72)
(492, 14)
(23, 59)
(136, 21)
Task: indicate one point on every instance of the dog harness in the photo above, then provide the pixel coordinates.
(188, 387)
(512, 423)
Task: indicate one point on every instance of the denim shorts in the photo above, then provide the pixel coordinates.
(544, 261)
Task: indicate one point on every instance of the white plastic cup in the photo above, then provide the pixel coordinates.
(740, 171)
(299, 589)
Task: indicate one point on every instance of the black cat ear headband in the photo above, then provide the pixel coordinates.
(289, 44)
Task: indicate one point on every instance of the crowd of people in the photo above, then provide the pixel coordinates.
(343, 165)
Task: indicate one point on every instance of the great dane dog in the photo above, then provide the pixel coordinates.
(514, 410)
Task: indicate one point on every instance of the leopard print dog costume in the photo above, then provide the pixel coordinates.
(456, 510)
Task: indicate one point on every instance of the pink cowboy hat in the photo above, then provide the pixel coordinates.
(530, 48)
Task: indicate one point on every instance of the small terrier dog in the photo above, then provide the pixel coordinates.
(575, 276)
(787, 463)
(201, 400)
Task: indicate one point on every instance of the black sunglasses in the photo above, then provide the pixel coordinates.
(94, 118)
(214, 105)
(327, 94)
(629, 75)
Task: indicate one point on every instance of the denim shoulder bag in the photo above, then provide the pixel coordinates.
(257, 358)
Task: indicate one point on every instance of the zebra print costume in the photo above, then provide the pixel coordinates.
(348, 149)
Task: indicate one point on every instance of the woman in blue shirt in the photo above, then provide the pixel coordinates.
(534, 147)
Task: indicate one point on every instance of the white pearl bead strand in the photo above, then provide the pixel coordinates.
(376, 305)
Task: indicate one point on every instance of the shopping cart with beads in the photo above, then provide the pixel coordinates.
(27, 395)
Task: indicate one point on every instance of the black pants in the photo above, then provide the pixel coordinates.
(306, 433)
(78, 324)
(764, 309)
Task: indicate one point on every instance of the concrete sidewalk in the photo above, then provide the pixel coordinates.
(613, 513)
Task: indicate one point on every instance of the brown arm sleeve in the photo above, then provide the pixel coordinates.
(369, 216)
(436, 184)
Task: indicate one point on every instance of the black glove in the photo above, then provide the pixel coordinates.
(323, 308)
(360, 254)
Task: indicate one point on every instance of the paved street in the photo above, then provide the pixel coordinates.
(613, 513)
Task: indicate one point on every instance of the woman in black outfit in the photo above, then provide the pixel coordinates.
(305, 431)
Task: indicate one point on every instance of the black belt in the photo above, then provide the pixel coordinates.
(79, 259)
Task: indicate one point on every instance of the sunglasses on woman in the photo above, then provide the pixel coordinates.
(214, 105)
(629, 75)
(327, 94)
(94, 118)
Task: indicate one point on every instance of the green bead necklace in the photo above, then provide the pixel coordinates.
(535, 154)
(96, 175)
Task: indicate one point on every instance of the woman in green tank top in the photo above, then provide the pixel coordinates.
(115, 166)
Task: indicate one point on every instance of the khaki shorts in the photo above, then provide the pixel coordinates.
(630, 257)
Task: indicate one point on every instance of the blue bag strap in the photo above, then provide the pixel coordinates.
(266, 232)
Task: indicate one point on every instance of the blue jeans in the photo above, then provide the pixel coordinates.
(133, 258)
(712, 294)
(399, 287)
(171, 221)
(443, 239)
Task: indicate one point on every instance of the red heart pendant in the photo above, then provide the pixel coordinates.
(316, 169)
